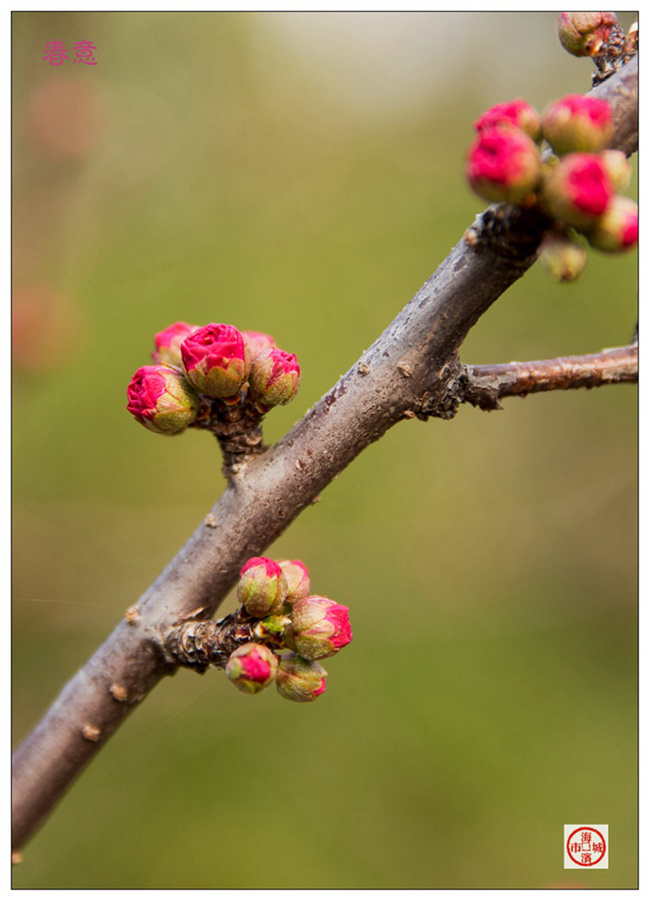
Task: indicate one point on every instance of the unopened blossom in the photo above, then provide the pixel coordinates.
(297, 578)
(583, 33)
(167, 343)
(577, 190)
(301, 680)
(216, 359)
(319, 627)
(252, 667)
(617, 229)
(503, 165)
(563, 256)
(618, 169)
(515, 114)
(577, 124)
(162, 400)
(262, 587)
(274, 377)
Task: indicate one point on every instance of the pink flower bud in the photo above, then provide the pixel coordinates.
(297, 578)
(161, 399)
(167, 343)
(583, 33)
(618, 228)
(262, 587)
(216, 359)
(515, 114)
(563, 257)
(577, 124)
(504, 165)
(300, 679)
(258, 341)
(319, 628)
(251, 668)
(274, 378)
(577, 190)
(618, 169)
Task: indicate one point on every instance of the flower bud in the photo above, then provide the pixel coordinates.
(258, 342)
(162, 400)
(618, 169)
(319, 628)
(577, 190)
(583, 33)
(618, 228)
(504, 165)
(274, 378)
(251, 668)
(262, 587)
(577, 124)
(271, 629)
(563, 257)
(297, 578)
(216, 359)
(515, 114)
(167, 344)
(300, 679)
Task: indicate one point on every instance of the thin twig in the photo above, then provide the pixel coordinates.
(411, 370)
(486, 385)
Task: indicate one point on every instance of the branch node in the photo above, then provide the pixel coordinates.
(118, 692)
(514, 233)
(91, 732)
(199, 645)
(618, 49)
(132, 615)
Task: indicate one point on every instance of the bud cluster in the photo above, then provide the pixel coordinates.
(282, 615)
(575, 181)
(214, 377)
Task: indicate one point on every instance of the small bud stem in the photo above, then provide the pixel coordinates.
(199, 645)
(614, 53)
(237, 428)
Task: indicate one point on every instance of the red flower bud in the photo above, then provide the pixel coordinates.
(274, 378)
(618, 228)
(618, 169)
(563, 257)
(297, 578)
(251, 668)
(504, 165)
(577, 190)
(300, 679)
(577, 124)
(167, 343)
(515, 114)
(319, 628)
(262, 587)
(216, 359)
(583, 33)
(162, 400)
(258, 341)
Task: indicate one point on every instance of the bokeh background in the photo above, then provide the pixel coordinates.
(302, 174)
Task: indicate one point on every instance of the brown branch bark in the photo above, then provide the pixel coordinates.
(485, 386)
(411, 370)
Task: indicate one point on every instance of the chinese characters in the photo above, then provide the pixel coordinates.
(83, 50)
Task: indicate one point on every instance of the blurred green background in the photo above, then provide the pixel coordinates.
(302, 174)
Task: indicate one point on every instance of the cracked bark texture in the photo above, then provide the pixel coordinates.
(411, 370)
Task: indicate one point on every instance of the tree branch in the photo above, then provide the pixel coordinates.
(486, 385)
(411, 370)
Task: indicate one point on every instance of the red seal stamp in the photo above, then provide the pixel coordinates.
(586, 846)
